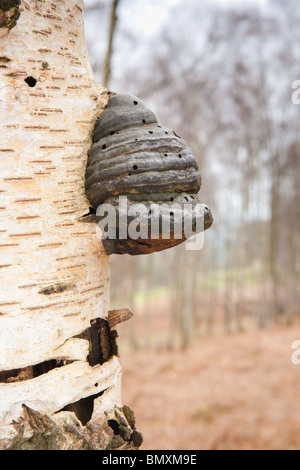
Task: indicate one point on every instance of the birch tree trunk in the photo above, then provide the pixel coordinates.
(54, 273)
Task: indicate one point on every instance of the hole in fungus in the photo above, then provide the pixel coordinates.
(135, 167)
(30, 81)
(180, 156)
(135, 102)
(144, 121)
(103, 147)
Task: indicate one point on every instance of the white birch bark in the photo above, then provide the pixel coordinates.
(54, 274)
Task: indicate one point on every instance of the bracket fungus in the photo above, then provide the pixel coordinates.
(142, 180)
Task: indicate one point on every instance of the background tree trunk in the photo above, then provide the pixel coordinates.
(109, 52)
(54, 274)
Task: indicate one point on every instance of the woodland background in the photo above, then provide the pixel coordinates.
(220, 74)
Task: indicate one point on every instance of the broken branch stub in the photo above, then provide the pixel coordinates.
(118, 316)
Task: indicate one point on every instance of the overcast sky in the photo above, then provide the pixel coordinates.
(143, 18)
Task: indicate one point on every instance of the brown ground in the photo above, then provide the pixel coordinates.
(228, 392)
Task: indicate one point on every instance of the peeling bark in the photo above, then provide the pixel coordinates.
(36, 431)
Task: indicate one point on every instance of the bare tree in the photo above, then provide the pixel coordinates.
(224, 84)
(109, 52)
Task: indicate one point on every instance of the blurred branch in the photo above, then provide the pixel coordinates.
(182, 74)
(167, 81)
(112, 29)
